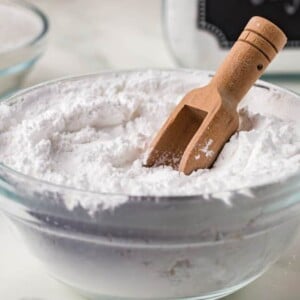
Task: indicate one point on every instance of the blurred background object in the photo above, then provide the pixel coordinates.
(201, 32)
(23, 35)
(93, 35)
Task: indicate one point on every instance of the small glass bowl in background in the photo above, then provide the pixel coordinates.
(151, 247)
(16, 62)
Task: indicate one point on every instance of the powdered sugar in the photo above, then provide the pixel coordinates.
(205, 149)
(93, 133)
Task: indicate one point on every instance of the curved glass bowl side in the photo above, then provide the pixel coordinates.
(170, 219)
(149, 244)
(32, 48)
(16, 63)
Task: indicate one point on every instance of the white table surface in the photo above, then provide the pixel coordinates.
(89, 36)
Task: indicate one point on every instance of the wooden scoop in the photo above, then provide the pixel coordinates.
(207, 117)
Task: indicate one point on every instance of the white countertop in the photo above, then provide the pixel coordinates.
(90, 36)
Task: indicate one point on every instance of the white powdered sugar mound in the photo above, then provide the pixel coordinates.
(92, 134)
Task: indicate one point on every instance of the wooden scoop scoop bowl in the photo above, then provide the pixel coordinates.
(206, 118)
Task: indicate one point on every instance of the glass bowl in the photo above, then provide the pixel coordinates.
(149, 247)
(20, 54)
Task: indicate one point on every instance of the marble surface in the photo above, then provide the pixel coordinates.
(90, 36)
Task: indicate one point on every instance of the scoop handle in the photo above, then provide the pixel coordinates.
(249, 57)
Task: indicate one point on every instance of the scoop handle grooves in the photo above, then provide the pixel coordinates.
(247, 60)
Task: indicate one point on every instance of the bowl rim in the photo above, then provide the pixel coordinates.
(295, 177)
(37, 12)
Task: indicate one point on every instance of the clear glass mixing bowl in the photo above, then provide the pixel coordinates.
(192, 247)
(16, 62)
